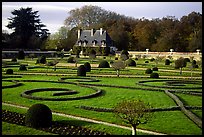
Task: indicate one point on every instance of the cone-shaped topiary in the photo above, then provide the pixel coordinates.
(87, 66)
(38, 115)
(21, 54)
(81, 71)
(104, 64)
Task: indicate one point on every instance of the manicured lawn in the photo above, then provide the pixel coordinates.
(114, 90)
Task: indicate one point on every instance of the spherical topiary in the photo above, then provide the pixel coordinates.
(186, 59)
(167, 62)
(81, 71)
(22, 67)
(71, 60)
(38, 115)
(104, 64)
(155, 69)
(154, 75)
(152, 59)
(131, 62)
(87, 66)
(148, 71)
(9, 71)
(42, 60)
(146, 61)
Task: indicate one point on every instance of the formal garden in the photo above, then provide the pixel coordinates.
(91, 86)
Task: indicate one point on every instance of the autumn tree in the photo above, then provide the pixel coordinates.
(133, 112)
(180, 63)
(118, 65)
(26, 24)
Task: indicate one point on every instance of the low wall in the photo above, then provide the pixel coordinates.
(174, 55)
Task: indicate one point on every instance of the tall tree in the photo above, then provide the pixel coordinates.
(26, 23)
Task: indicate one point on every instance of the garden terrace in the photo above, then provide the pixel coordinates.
(133, 83)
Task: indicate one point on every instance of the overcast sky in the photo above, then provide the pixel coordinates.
(53, 14)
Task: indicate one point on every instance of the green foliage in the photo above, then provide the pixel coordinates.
(71, 60)
(38, 115)
(131, 62)
(180, 63)
(167, 62)
(87, 66)
(154, 75)
(104, 64)
(9, 71)
(81, 71)
(148, 71)
(22, 67)
(155, 69)
(21, 54)
(14, 60)
(41, 60)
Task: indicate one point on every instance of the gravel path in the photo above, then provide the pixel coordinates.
(90, 120)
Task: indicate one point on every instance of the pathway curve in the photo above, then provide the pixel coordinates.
(90, 120)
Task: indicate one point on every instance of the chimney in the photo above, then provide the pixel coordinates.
(101, 31)
(92, 32)
(79, 33)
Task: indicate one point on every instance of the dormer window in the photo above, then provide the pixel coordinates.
(103, 42)
(85, 42)
(80, 42)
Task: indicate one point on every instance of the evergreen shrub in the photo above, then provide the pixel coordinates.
(9, 71)
(87, 66)
(81, 71)
(38, 115)
(104, 64)
(148, 71)
(154, 75)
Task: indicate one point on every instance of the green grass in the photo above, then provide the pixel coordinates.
(169, 122)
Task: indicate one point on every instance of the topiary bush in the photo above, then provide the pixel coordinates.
(148, 71)
(14, 60)
(152, 59)
(104, 64)
(155, 69)
(167, 62)
(186, 59)
(21, 54)
(71, 60)
(131, 62)
(87, 66)
(22, 67)
(41, 60)
(146, 61)
(81, 71)
(154, 75)
(38, 115)
(9, 71)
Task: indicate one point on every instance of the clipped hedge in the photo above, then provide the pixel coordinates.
(38, 115)
(103, 64)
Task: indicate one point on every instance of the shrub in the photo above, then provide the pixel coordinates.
(146, 61)
(131, 62)
(155, 69)
(41, 60)
(71, 60)
(81, 71)
(22, 67)
(154, 75)
(186, 59)
(14, 60)
(38, 115)
(87, 66)
(116, 58)
(167, 62)
(104, 64)
(9, 71)
(148, 71)
(194, 62)
(21, 54)
(152, 59)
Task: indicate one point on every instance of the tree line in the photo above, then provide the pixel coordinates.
(127, 33)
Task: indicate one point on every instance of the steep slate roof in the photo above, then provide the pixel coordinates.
(86, 36)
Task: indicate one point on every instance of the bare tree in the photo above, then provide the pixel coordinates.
(118, 66)
(133, 112)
